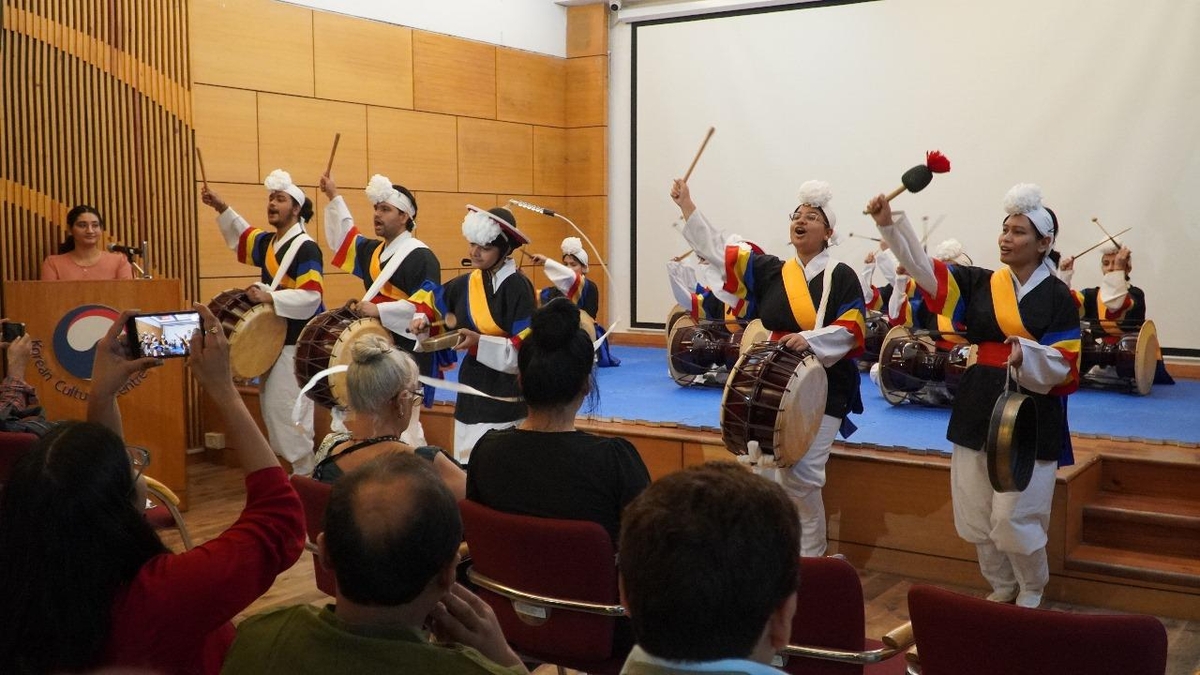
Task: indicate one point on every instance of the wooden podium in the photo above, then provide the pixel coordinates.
(65, 318)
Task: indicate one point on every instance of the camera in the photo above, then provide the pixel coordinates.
(163, 335)
(12, 330)
(615, 5)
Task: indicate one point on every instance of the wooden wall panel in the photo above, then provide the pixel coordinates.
(209, 288)
(439, 222)
(262, 45)
(341, 287)
(587, 161)
(362, 61)
(414, 149)
(227, 133)
(587, 91)
(587, 30)
(296, 135)
(549, 161)
(530, 88)
(454, 76)
(494, 156)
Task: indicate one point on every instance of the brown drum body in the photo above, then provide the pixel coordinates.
(910, 363)
(325, 342)
(1132, 355)
(256, 334)
(776, 397)
(694, 350)
(877, 330)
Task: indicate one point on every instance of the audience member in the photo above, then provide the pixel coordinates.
(392, 532)
(709, 572)
(85, 581)
(546, 467)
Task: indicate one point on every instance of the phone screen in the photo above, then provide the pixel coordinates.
(163, 335)
(12, 331)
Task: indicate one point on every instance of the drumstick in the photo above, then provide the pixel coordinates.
(1101, 242)
(863, 236)
(1110, 237)
(699, 152)
(200, 159)
(683, 255)
(336, 137)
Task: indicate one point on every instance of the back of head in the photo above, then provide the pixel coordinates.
(707, 554)
(71, 536)
(556, 360)
(378, 371)
(391, 526)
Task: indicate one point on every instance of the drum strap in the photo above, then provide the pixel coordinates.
(1004, 304)
(405, 247)
(481, 314)
(288, 256)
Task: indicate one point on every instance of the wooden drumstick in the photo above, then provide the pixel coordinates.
(699, 152)
(684, 255)
(1100, 243)
(200, 160)
(1110, 237)
(336, 137)
(863, 236)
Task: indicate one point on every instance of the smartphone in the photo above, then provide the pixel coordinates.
(12, 331)
(164, 335)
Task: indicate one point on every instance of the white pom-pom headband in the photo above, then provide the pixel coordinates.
(951, 250)
(380, 190)
(479, 227)
(282, 180)
(572, 246)
(1026, 199)
(817, 194)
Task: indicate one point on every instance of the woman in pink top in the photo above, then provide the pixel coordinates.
(85, 582)
(81, 256)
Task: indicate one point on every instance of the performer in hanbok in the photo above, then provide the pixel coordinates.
(570, 282)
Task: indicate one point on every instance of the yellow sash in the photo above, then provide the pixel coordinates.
(481, 315)
(1004, 304)
(799, 298)
(388, 290)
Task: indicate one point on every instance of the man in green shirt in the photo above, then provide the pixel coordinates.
(392, 531)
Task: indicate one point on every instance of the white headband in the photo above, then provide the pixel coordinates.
(1026, 199)
(572, 246)
(480, 227)
(282, 180)
(380, 189)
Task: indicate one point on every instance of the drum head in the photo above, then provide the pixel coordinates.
(754, 333)
(1146, 359)
(800, 413)
(776, 397)
(677, 366)
(1012, 442)
(587, 324)
(256, 341)
(674, 315)
(340, 354)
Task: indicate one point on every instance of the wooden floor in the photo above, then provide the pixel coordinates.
(217, 496)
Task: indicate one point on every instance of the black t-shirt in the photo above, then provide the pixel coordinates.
(572, 475)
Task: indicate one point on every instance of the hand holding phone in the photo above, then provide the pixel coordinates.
(162, 335)
(11, 331)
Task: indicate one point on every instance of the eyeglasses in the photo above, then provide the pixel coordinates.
(810, 217)
(139, 459)
(417, 396)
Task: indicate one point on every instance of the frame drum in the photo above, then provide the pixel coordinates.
(325, 342)
(777, 397)
(256, 334)
(753, 334)
(1134, 356)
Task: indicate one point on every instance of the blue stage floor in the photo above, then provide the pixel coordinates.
(640, 390)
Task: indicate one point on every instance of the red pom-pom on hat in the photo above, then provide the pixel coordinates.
(937, 162)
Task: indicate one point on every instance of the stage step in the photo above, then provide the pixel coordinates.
(1175, 480)
(1151, 567)
(1161, 525)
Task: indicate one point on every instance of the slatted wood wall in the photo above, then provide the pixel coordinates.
(97, 110)
(455, 121)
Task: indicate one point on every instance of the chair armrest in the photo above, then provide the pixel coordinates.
(900, 638)
(517, 595)
(895, 642)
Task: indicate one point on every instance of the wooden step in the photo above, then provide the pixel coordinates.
(1149, 567)
(1151, 478)
(1148, 524)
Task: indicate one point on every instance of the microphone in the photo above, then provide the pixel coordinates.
(532, 207)
(127, 250)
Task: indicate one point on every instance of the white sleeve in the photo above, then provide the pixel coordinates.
(232, 226)
(296, 303)
(1066, 276)
(1113, 290)
(707, 241)
(899, 297)
(865, 277)
(497, 353)
(338, 222)
(683, 283)
(907, 248)
(397, 316)
(1042, 368)
(829, 344)
(560, 275)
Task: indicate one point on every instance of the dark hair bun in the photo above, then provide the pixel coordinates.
(555, 326)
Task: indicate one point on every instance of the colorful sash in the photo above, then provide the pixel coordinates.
(481, 314)
(1004, 304)
(799, 299)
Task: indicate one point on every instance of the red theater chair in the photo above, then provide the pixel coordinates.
(314, 495)
(962, 634)
(827, 633)
(552, 584)
(12, 446)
